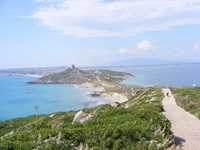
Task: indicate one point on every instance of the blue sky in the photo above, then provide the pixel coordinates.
(43, 33)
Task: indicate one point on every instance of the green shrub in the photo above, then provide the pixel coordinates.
(141, 126)
(188, 98)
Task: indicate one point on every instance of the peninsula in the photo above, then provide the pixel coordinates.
(76, 76)
(104, 83)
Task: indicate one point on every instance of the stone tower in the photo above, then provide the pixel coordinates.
(72, 66)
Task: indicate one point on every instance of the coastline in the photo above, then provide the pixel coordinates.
(35, 76)
(103, 82)
(23, 75)
(106, 90)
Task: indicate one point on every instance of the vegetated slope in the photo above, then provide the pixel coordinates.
(188, 98)
(77, 76)
(137, 124)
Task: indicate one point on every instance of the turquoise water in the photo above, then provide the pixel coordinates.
(169, 75)
(18, 98)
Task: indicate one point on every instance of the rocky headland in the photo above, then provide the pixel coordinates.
(76, 76)
(105, 83)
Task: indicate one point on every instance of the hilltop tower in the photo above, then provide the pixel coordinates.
(73, 66)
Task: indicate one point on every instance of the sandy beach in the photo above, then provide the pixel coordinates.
(112, 96)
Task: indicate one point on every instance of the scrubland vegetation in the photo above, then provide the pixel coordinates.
(188, 98)
(136, 124)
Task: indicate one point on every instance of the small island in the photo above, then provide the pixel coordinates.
(74, 75)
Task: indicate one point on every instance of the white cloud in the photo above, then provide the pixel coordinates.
(47, 1)
(122, 50)
(192, 54)
(100, 18)
(196, 47)
(144, 48)
(145, 44)
(97, 53)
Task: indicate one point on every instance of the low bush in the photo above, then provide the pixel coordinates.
(188, 98)
(139, 126)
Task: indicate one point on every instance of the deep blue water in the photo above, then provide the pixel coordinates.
(169, 75)
(17, 99)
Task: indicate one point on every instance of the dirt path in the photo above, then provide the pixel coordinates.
(186, 127)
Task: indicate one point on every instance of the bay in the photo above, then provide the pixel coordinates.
(18, 99)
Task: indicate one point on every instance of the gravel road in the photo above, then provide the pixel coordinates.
(186, 127)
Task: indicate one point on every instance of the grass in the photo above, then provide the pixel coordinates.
(188, 98)
(14, 124)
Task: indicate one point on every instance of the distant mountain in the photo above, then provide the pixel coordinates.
(142, 62)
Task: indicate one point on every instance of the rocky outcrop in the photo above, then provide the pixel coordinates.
(151, 100)
(95, 94)
(115, 104)
(113, 91)
(81, 117)
(77, 76)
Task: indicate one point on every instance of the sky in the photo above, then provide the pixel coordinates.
(46, 33)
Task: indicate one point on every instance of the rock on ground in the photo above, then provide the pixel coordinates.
(81, 117)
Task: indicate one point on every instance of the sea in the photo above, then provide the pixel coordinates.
(164, 75)
(18, 99)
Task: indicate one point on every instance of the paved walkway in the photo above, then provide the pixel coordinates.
(186, 127)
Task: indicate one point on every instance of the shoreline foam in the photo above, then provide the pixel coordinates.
(111, 96)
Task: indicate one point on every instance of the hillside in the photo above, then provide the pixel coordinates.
(77, 76)
(188, 98)
(136, 124)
